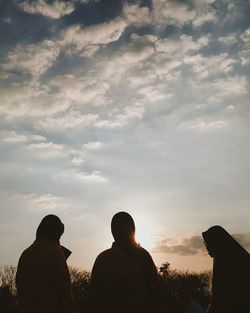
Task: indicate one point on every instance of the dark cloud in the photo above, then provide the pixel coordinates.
(188, 246)
(193, 245)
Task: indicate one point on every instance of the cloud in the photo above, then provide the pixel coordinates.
(203, 125)
(202, 18)
(167, 12)
(47, 149)
(82, 89)
(83, 176)
(13, 137)
(136, 15)
(245, 53)
(154, 93)
(33, 59)
(37, 202)
(188, 246)
(235, 86)
(93, 145)
(130, 58)
(229, 39)
(71, 119)
(87, 40)
(210, 66)
(54, 9)
(193, 245)
(78, 162)
(181, 45)
(119, 120)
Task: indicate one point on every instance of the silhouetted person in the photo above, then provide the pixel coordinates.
(124, 278)
(42, 279)
(231, 272)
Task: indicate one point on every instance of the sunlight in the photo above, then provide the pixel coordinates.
(145, 232)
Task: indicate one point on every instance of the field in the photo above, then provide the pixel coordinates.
(179, 287)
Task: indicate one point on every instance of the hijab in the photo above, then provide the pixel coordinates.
(221, 245)
(51, 228)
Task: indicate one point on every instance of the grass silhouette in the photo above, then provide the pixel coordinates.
(178, 287)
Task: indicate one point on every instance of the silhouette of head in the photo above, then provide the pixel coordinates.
(123, 228)
(51, 228)
(220, 244)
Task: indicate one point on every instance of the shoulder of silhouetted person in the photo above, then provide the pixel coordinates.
(42, 278)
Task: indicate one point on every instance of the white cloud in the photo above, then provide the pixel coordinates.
(118, 120)
(81, 89)
(45, 201)
(245, 53)
(32, 59)
(47, 150)
(77, 161)
(207, 66)
(154, 93)
(181, 45)
(136, 15)
(229, 39)
(88, 39)
(229, 87)
(206, 126)
(14, 137)
(93, 145)
(80, 175)
(202, 18)
(54, 10)
(167, 12)
(67, 120)
(128, 59)
(145, 77)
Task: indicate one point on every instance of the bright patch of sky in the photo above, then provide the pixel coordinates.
(139, 106)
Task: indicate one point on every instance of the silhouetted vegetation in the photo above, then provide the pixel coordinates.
(178, 288)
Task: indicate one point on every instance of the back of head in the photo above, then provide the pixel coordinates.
(220, 244)
(51, 228)
(123, 228)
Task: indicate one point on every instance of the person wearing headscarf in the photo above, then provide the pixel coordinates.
(231, 272)
(124, 278)
(42, 278)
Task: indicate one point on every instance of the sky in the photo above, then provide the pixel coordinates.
(137, 106)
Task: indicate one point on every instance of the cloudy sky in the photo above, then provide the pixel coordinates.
(140, 106)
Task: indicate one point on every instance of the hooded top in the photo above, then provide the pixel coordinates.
(124, 278)
(42, 279)
(231, 272)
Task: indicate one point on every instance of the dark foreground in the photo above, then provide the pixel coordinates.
(179, 288)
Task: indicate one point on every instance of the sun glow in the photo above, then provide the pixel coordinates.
(145, 232)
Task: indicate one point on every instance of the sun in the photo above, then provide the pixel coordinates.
(145, 232)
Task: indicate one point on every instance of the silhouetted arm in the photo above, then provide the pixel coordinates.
(154, 282)
(96, 286)
(62, 283)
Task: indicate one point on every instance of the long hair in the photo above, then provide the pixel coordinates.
(51, 228)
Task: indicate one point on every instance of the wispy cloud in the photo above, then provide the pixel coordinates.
(87, 40)
(33, 59)
(53, 10)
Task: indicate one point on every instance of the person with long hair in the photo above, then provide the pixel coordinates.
(124, 278)
(42, 278)
(231, 272)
